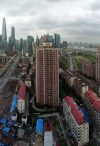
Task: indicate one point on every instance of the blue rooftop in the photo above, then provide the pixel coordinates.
(39, 126)
(6, 129)
(3, 121)
(86, 115)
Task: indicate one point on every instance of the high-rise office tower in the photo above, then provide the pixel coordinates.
(98, 66)
(4, 31)
(37, 41)
(4, 34)
(47, 75)
(30, 41)
(13, 36)
(21, 44)
(64, 45)
(56, 40)
(0, 41)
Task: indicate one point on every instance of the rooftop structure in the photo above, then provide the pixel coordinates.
(40, 126)
(22, 91)
(14, 104)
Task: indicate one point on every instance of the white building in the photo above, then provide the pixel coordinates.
(24, 119)
(48, 138)
(80, 87)
(14, 117)
(76, 121)
(21, 106)
(69, 78)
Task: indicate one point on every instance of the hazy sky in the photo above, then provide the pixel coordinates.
(75, 20)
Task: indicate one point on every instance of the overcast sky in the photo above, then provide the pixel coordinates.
(75, 20)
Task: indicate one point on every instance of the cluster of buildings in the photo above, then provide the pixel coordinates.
(91, 69)
(44, 134)
(10, 46)
(75, 82)
(14, 133)
(26, 46)
(91, 103)
(56, 40)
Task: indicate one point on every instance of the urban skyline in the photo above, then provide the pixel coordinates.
(74, 20)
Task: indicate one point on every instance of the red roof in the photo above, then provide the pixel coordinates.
(68, 99)
(47, 127)
(91, 96)
(78, 115)
(22, 91)
(74, 107)
(94, 99)
(96, 105)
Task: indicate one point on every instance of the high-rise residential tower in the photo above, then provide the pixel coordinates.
(47, 75)
(98, 66)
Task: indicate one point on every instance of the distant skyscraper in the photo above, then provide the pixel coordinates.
(98, 66)
(4, 34)
(13, 36)
(56, 40)
(0, 41)
(37, 41)
(30, 40)
(47, 75)
(65, 44)
(4, 31)
(21, 44)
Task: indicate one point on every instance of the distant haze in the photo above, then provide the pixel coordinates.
(75, 20)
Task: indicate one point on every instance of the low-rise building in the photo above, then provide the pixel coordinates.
(21, 98)
(48, 136)
(92, 103)
(88, 68)
(80, 87)
(24, 119)
(76, 120)
(69, 77)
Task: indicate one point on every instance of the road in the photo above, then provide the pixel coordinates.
(38, 109)
(9, 71)
(72, 63)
